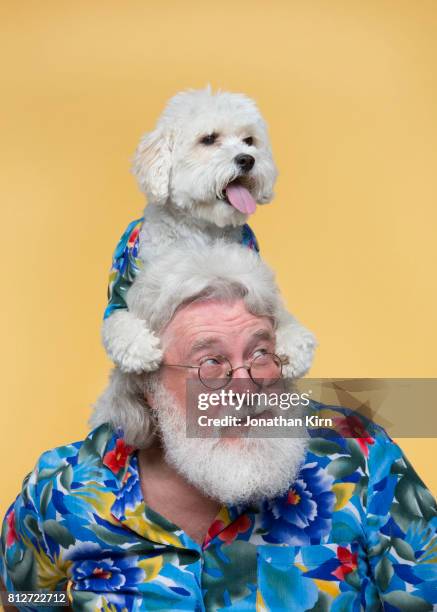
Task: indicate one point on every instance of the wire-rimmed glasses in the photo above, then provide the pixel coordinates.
(216, 372)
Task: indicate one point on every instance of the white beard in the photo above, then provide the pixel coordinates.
(237, 471)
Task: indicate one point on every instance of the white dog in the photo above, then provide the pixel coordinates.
(204, 169)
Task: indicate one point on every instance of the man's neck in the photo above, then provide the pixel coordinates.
(169, 494)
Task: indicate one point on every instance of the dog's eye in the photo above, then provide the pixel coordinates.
(248, 141)
(209, 139)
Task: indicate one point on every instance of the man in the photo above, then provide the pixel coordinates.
(139, 516)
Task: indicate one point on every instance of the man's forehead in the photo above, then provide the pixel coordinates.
(211, 319)
(205, 341)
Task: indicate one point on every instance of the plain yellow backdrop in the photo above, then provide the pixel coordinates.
(348, 89)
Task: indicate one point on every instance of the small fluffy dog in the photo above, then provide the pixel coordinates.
(204, 169)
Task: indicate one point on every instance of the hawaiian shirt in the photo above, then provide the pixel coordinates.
(126, 263)
(355, 531)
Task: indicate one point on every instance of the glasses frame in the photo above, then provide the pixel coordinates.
(230, 372)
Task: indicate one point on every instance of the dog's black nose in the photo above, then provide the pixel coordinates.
(245, 162)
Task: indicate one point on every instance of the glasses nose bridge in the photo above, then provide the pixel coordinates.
(242, 367)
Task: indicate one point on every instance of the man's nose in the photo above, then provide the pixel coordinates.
(241, 381)
(241, 372)
(244, 162)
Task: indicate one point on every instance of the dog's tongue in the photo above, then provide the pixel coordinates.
(240, 198)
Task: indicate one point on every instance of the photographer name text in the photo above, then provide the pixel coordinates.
(276, 421)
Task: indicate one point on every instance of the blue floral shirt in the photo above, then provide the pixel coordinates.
(356, 531)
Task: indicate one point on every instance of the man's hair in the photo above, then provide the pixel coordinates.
(191, 273)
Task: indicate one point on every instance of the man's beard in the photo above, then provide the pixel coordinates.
(236, 471)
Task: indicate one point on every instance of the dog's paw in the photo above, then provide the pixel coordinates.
(296, 346)
(131, 345)
(143, 354)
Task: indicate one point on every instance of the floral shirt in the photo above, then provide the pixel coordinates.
(356, 531)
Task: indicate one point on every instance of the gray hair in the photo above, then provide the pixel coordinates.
(224, 272)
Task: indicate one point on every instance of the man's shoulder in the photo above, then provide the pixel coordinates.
(70, 458)
(352, 444)
(63, 472)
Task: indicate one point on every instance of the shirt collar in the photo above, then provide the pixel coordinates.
(130, 509)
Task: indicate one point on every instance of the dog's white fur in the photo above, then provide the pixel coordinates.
(184, 181)
(175, 169)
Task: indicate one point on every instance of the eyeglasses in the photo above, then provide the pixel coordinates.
(217, 372)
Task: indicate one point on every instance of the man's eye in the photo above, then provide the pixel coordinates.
(259, 352)
(248, 141)
(209, 139)
(211, 361)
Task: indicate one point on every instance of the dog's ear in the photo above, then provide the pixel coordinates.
(151, 165)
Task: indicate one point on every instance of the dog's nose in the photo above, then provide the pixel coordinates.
(244, 161)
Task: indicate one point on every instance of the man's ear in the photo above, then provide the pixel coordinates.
(148, 394)
(151, 165)
(150, 383)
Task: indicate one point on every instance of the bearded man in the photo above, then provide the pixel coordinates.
(141, 516)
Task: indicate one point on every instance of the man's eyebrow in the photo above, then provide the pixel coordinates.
(263, 334)
(203, 343)
(208, 342)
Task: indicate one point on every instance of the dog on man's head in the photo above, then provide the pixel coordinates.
(203, 169)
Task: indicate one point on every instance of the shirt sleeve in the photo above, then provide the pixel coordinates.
(26, 563)
(401, 531)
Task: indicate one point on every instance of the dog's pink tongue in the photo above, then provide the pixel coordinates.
(240, 198)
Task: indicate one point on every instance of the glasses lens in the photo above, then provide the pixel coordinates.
(266, 369)
(214, 372)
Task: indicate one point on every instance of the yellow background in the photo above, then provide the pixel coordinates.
(348, 89)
